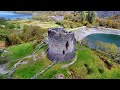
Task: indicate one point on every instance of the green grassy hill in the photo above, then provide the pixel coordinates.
(87, 66)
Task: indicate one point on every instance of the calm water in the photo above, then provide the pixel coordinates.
(107, 38)
(13, 16)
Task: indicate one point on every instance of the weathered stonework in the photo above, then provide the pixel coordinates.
(61, 44)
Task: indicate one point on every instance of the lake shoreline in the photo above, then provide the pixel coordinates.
(84, 32)
(14, 15)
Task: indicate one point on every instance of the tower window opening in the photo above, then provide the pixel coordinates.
(63, 52)
(67, 45)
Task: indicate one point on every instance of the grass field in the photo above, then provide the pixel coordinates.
(33, 67)
(87, 66)
(18, 51)
(33, 23)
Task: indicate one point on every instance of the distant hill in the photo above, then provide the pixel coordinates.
(103, 14)
(115, 18)
(25, 12)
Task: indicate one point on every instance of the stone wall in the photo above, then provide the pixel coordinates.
(61, 44)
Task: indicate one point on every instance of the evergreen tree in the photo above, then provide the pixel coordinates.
(91, 16)
(83, 16)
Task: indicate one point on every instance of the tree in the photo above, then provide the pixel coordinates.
(2, 21)
(25, 27)
(18, 26)
(10, 26)
(91, 16)
(83, 16)
(108, 48)
(109, 23)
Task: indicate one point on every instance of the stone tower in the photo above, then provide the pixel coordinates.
(61, 44)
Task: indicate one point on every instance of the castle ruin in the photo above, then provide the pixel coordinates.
(61, 44)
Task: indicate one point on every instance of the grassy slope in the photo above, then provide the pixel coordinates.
(85, 56)
(88, 57)
(18, 51)
(56, 69)
(33, 67)
(34, 23)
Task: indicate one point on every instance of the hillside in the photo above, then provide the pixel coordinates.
(115, 18)
(25, 12)
(88, 65)
(103, 14)
(24, 46)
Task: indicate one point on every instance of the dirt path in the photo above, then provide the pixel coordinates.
(13, 69)
(67, 65)
(49, 66)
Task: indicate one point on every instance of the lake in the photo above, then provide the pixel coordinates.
(107, 38)
(13, 15)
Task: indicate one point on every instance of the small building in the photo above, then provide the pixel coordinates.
(61, 44)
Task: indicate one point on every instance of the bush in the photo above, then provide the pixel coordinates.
(68, 24)
(31, 33)
(14, 39)
(78, 24)
(85, 23)
(96, 24)
(10, 26)
(2, 21)
(18, 26)
(2, 76)
(3, 60)
(110, 49)
(109, 24)
(25, 27)
(89, 25)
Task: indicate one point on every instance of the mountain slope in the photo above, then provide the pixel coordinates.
(103, 14)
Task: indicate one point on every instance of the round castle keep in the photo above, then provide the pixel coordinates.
(61, 44)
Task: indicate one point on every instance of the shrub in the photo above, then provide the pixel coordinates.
(109, 49)
(85, 23)
(25, 27)
(109, 23)
(78, 24)
(10, 26)
(2, 21)
(89, 25)
(14, 39)
(18, 26)
(31, 33)
(68, 24)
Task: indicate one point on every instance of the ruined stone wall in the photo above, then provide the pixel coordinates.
(61, 44)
